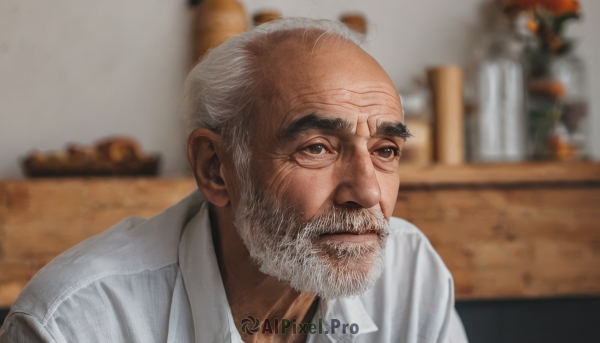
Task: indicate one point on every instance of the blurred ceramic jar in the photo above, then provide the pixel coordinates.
(418, 149)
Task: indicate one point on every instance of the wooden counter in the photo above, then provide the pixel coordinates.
(519, 230)
(525, 230)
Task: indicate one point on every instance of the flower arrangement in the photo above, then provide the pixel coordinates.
(554, 117)
(546, 19)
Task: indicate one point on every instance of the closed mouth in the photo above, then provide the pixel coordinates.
(350, 236)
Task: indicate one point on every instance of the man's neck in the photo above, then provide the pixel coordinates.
(251, 292)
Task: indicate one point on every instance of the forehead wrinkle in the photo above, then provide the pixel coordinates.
(344, 100)
(368, 90)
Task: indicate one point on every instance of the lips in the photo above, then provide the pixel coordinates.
(353, 237)
(363, 232)
(351, 232)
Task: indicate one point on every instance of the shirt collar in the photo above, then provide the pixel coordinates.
(212, 318)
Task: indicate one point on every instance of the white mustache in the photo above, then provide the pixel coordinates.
(345, 220)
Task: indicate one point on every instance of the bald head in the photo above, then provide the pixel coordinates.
(300, 56)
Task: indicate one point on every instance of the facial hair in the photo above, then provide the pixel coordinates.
(288, 248)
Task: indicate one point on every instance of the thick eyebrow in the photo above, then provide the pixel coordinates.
(311, 122)
(393, 129)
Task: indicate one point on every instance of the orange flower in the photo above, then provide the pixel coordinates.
(532, 25)
(561, 149)
(559, 7)
(547, 88)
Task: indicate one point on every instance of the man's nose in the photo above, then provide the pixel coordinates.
(358, 184)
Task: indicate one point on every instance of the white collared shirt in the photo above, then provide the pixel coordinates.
(157, 280)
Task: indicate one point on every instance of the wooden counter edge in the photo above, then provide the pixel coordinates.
(518, 174)
(412, 176)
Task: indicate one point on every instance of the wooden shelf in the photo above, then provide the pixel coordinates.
(499, 236)
(542, 173)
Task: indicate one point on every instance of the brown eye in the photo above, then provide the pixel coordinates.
(316, 155)
(387, 152)
(316, 149)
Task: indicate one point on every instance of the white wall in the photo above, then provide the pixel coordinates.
(73, 70)
(588, 33)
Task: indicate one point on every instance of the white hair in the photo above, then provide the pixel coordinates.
(220, 91)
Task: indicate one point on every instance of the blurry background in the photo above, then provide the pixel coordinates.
(522, 240)
(78, 71)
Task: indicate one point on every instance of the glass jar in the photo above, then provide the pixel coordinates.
(497, 126)
(557, 109)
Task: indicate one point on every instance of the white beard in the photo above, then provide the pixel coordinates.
(287, 248)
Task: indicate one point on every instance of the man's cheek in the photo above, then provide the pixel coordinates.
(310, 193)
(389, 185)
(278, 180)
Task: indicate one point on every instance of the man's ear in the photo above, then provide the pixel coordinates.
(204, 148)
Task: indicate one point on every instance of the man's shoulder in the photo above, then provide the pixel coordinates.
(123, 250)
(133, 249)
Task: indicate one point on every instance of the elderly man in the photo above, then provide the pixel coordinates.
(295, 137)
